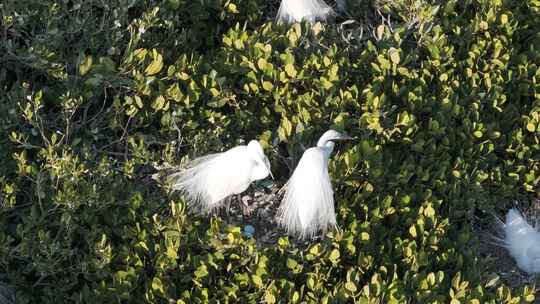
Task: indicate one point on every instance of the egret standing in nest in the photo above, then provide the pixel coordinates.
(308, 202)
(291, 11)
(209, 181)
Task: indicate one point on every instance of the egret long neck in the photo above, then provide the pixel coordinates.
(326, 145)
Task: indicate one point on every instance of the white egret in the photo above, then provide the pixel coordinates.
(291, 11)
(210, 180)
(522, 241)
(308, 202)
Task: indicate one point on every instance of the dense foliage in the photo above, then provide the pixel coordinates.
(444, 96)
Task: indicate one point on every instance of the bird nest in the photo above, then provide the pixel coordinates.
(257, 208)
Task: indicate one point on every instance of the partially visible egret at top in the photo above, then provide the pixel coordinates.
(308, 202)
(291, 11)
(522, 241)
(209, 181)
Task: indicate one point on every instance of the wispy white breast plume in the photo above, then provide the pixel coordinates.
(209, 180)
(307, 206)
(291, 11)
(522, 240)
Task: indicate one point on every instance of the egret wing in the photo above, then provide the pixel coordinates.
(522, 240)
(297, 10)
(209, 180)
(231, 174)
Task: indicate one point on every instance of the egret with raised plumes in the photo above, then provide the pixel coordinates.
(209, 181)
(307, 206)
(291, 11)
(522, 240)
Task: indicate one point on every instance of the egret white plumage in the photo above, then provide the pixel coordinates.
(210, 180)
(291, 11)
(522, 240)
(308, 202)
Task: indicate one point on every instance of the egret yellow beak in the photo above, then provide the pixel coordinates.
(344, 138)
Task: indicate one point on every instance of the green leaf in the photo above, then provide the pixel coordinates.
(261, 63)
(290, 70)
(155, 66)
(531, 127)
(214, 92)
(140, 54)
(492, 280)
(350, 286)
(429, 211)
(157, 285)
(269, 298)
(159, 103)
(317, 28)
(283, 242)
(174, 4)
(267, 85)
(295, 297)
(138, 101)
(504, 19)
(380, 31)
(315, 249)
(311, 283)
(287, 126)
(291, 263)
(529, 298)
(364, 236)
(412, 231)
(231, 8)
(201, 272)
(257, 280)
(394, 55)
(85, 65)
(334, 255)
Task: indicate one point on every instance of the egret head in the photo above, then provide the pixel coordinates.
(262, 164)
(329, 137)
